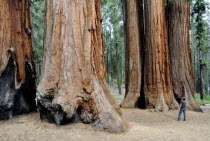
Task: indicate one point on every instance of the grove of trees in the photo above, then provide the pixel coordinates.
(156, 49)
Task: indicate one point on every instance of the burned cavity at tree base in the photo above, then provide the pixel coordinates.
(53, 114)
(16, 101)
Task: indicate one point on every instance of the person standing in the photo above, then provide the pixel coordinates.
(182, 109)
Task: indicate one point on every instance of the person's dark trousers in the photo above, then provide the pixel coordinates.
(180, 113)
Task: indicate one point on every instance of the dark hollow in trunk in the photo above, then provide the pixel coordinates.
(17, 69)
(16, 101)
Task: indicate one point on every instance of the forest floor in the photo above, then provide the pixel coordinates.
(146, 126)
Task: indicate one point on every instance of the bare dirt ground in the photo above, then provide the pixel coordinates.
(146, 126)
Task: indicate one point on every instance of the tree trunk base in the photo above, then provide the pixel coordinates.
(16, 101)
(90, 108)
(50, 114)
(130, 100)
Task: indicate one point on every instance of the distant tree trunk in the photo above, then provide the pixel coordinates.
(73, 77)
(200, 69)
(180, 52)
(207, 78)
(124, 44)
(124, 24)
(112, 74)
(134, 52)
(197, 70)
(200, 78)
(38, 69)
(158, 87)
(194, 54)
(118, 68)
(107, 66)
(111, 60)
(17, 70)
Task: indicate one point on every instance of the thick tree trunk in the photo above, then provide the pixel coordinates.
(73, 81)
(158, 86)
(180, 52)
(134, 52)
(17, 70)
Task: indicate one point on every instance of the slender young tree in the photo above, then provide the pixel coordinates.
(73, 80)
(17, 70)
(180, 53)
(157, 87)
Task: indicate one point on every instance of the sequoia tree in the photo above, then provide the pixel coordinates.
(180, 53)
(73, 82)
(134, 52)
(157, 77)
(17, 76)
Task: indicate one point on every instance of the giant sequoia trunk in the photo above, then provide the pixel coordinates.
(73, 82)
(180, 53)
(17, 76)
(134, 52)
(158, 86)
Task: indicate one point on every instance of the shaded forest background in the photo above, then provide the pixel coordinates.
(114, 37)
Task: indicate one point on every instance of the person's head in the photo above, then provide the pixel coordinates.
(183, 98)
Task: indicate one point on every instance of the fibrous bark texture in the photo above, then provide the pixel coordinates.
(17, 76)
(180, 53)
(73, 82)
(157, 86)
(134, 52)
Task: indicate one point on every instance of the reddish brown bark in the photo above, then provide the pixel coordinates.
(158, 86)
(17, 76)
(180, 52)
(73, 77)
(134, 52)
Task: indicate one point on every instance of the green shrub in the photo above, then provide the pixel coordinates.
(206, 99)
